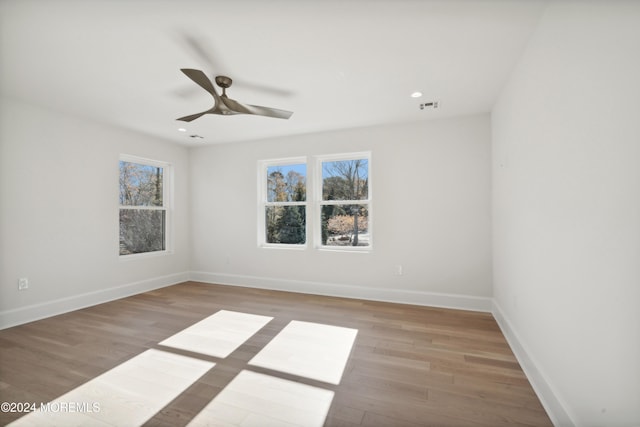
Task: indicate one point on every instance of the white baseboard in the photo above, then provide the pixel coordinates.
(541, 385)
(461, 302)
(555, 408)
(18, 316)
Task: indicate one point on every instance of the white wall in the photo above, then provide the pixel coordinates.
(566, 212)
(431, 195)
(59, 214)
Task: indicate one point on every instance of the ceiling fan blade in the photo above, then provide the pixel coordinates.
(192, 117)
(202, 80)
(270, 112)
(201, 48)
(267, 89)
(255, 109)
(197, 115)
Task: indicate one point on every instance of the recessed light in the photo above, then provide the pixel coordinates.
(182, 130)
(416, 94)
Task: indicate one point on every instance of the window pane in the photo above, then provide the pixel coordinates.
(287, 183)
(286, 224)
(140, 185)
(141, 231)
(345, 225)
(345, 180)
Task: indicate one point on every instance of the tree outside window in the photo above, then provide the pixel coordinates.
(344, 211)
(143, 212)
(285, 207)
(333, 200)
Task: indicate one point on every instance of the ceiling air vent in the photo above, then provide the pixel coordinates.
(433, 104)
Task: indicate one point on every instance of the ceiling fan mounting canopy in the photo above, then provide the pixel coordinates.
(224, 82)
(224, 105)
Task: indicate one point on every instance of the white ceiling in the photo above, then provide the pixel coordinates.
(335, 64)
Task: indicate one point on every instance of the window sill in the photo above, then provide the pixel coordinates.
(133, 257)
(284, 246)
(351, 249)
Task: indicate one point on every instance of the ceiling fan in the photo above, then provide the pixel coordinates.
(224, 105)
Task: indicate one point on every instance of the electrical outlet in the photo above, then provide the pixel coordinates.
(23, 284)
(397, 270)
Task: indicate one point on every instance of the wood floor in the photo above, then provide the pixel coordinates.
(409, 365)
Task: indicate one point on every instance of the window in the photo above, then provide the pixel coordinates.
(143, 205)
(337, 211)
(345, 204)
(284, 202)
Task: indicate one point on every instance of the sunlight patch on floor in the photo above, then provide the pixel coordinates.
(309, 350)
(253, 399)
(133, 392)
(129, 394)
(219, 334)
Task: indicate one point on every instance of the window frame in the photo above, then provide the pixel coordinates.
(263, 203)
(167, 205)
(318, 202)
